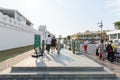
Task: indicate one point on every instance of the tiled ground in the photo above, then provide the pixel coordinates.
(66, 58)
(114, 67)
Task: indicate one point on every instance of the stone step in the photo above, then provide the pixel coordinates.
(58, 73)
(59, 76)
(21, 69)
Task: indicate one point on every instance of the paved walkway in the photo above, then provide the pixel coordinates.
(12, 61)
(67, 59)
(64, 59)
(114, 67)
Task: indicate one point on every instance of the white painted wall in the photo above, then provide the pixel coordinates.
(12, 38)
(43, 30)
(13, 35)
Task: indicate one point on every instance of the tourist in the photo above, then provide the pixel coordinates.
(53, 44)
(48, 43)
(111, 50)
(97, 53)
(85, 46)
(101, 48)
(106, 44)
(58, 47)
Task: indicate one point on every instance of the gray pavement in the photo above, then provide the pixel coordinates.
(114, 67)
(14, 60)
(66, 63)
(64, 59)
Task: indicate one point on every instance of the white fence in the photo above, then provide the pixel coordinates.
(14, 33)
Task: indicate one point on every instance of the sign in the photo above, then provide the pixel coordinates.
(37, 40)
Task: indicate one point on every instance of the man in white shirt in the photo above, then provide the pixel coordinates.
(48, 43)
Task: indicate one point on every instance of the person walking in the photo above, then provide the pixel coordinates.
(48, 43)
(58, 46)
(85, 46)
(111, 51)
(53, 44)
(101, 48)
(97, 53)
(106, 44)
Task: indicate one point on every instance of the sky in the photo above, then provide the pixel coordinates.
(67, 17)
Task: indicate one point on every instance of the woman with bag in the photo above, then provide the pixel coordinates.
(101, 50)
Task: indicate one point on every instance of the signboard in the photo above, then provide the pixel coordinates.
(37, 40)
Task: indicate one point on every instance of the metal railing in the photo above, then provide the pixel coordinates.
(74, 45)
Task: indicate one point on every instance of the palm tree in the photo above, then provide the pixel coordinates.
(117, 25)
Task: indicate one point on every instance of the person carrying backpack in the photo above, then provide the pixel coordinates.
(53, 44)
(110, 49)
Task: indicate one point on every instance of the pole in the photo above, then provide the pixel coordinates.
(73, 46)
(101, 33)
(100, 25)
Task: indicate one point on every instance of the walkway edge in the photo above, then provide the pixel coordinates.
(12, 61)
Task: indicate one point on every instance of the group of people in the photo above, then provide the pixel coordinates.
(106, 49)
(52, 44)
(103, 50)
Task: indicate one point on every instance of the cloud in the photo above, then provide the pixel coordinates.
(113, 5)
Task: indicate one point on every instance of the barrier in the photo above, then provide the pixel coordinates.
(37, 46)
(74, 45)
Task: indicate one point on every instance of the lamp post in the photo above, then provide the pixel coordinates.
(101, 26)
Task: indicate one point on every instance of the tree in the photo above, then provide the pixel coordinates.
(117, 25)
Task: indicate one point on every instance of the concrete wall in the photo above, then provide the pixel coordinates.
(15, 34)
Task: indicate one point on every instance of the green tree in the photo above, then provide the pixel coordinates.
(117, 25)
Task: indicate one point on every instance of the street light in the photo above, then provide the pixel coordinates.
(101, 26)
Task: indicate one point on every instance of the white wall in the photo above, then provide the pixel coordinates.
(42, 29)
(13, 35)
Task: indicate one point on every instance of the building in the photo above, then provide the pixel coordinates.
(15, 30)
(16, 16)
(114, 36)
(90, 35)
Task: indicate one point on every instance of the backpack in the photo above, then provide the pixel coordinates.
(53, 42)
(109, 48)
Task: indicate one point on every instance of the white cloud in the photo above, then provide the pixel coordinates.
(113, 5)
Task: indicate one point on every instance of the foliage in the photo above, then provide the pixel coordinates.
(117, 25)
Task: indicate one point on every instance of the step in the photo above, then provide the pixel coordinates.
(58, 73)
(59, 76)
(18, 69)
